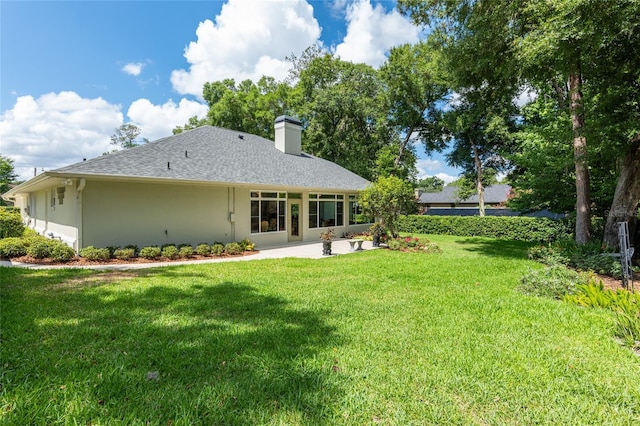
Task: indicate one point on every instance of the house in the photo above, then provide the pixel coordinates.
(494, 196)
(204, 185)
(447, 203)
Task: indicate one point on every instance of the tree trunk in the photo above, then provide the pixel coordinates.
(403, 146)
(624, 207)
(583, 199)
(479, 187)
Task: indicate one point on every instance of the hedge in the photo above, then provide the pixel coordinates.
(520, 228)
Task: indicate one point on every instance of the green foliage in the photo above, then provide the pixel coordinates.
(413, 244)
(586, 257)
(247, 245)
(386, 199)
(510, 228)
(203, 249)
(549, 254)
(95, 254)
(40, 247)
(124, 253)
(10, 223)
(185, 252)
(7, 175)
(12, 247)
(125, 136)
(233, 249)
(169, 251)
(62, 252)
(150, 252)
(625, 304)
(553, 281)
(430, 184)
(217, 249)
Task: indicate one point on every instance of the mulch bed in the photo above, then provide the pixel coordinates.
(81, 261)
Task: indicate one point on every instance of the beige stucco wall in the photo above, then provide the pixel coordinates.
(120, 213)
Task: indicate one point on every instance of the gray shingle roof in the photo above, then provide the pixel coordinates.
(223, 156)
(493, 194)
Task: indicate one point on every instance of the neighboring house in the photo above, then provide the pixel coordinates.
(494, 196)
(446, 203)
(204, 185)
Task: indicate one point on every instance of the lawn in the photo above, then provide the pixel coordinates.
(376, 337)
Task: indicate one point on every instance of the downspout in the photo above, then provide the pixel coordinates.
(81, 185)
(231, 197)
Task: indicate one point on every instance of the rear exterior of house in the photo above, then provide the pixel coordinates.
(204, 185)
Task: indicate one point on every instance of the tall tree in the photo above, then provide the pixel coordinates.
(7, 175)
(343, 107)
(414, 86)
(125, 136)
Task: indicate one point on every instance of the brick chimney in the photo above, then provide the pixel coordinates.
(288, 134)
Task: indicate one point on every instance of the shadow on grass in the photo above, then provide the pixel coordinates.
(205, 353)
(495, 248)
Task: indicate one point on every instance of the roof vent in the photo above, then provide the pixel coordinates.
(241, 137)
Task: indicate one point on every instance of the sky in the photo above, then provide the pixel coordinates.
(72, 72)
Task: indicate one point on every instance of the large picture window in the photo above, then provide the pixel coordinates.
(326, 210)
(268, 211)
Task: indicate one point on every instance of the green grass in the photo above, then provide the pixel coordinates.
(376, 337)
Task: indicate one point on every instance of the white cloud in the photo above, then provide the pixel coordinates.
(371, 32)
(428, 167)
(133, 69)
(249, 39)
(157, 121)
(55, 130)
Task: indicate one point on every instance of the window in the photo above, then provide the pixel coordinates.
(268, 211)
(326, 210)
(355, 212)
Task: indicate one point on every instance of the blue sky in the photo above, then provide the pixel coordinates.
(71, 72)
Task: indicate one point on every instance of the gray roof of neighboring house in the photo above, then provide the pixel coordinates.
(493, 194)
(219, 155)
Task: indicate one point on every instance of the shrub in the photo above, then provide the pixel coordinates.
(133, 247)
(10, 223)
(217, 249)
(95, 254)
(40, 248)
(169, 251)
(12, 247)
(124, 254)
(247, 245)
(586, 257)
(413, 244)
(203, 249)
(548, 254)
(185, 252)
(62, 252)
(554, 281)
(150, 252)
(233, 249)
(520, 228)
(625, 304)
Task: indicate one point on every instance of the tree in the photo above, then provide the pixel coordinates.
(7, 176)
(386, 199)
(247, 107)
(430, 184)
(414, 86)
(587, 51)
(125, 136)
(343, 107)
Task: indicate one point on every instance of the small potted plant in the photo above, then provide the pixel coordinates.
(377, 231)
(327, 237)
